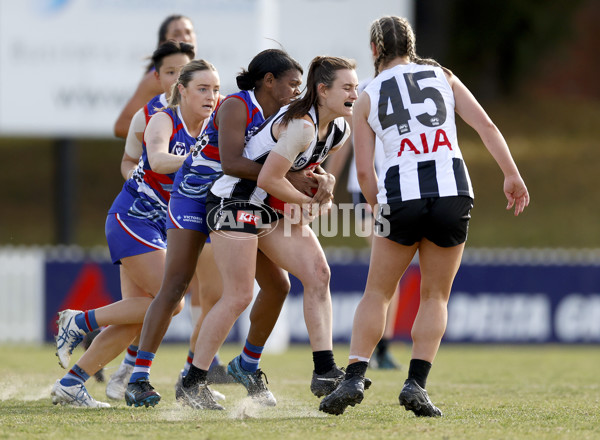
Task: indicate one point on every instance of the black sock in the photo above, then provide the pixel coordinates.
(194, 376)
(419, 370)
(323, 361)
(382, 346)
(356, 369)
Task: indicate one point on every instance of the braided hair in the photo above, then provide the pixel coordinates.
(394, 37)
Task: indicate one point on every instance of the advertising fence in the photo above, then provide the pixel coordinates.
(494, 299)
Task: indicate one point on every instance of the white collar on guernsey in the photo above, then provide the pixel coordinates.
(183, 122)
(255, 101)
(163, 99)
(204, 125)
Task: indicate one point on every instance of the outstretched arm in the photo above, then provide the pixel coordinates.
(133, 144)
(364, 149)
(473, 114)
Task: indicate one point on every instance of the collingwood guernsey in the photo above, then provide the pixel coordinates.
(422, 157)
(262, 142)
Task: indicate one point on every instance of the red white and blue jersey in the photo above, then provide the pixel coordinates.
(152, 190)
(156, 104)
(412, 112)
(203, 166)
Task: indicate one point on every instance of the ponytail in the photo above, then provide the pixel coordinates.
(273, 61)
(322, 70)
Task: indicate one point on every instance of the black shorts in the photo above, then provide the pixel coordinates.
(442, 220)
(239, 216)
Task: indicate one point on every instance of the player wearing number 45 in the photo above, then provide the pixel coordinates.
(425, 199)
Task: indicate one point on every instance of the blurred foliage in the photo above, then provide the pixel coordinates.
(493, 45)
(554, 142)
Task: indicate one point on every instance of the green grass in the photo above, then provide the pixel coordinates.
(486, 392)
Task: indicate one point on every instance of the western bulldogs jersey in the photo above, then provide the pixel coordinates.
(154, 189)
(154, 105)
(262, 142)
(203, 166)
(412, 112)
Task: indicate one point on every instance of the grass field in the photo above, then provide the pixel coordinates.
(485, 392)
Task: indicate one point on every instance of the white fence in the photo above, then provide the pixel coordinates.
(22, 294)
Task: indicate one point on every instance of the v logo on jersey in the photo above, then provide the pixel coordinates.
(300, 162)
(179, 149)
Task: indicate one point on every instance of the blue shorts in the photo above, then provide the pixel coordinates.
(187, 213)
(128, 236)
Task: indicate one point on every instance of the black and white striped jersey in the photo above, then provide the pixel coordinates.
(262, 142)
(412, 112)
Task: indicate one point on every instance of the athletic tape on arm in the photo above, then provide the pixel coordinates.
(294, 139)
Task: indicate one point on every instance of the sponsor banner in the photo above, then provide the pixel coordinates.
(489, 303)
(90, 54)
(347, 287)
(78, 286)
(510, 303)
(89, 285)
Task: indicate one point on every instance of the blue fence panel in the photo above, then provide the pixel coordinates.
(489, 303)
